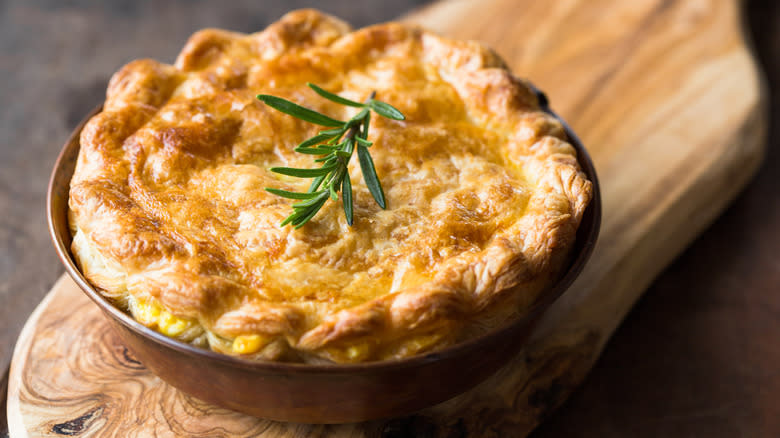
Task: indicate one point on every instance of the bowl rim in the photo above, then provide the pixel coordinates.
(575, 267)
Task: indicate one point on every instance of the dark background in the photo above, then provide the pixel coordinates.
(698, 356)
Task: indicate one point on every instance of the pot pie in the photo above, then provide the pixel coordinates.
(170, 219)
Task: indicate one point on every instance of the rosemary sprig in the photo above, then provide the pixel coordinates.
(334, 148)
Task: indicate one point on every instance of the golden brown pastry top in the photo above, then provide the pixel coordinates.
(167, 203)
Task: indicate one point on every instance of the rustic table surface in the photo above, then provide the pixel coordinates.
(698, 356)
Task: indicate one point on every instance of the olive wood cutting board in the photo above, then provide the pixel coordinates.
(667, 98)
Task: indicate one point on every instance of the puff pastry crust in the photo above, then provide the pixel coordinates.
(170, 219)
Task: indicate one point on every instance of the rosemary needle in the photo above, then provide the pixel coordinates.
(334, 148)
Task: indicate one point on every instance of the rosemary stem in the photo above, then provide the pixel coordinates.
(337, 147)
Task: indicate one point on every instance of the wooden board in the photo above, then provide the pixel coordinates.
(663, 93)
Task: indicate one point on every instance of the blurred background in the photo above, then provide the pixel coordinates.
(56, 57)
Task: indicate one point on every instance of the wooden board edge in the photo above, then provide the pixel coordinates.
(752, 148)
(760, 78)
(3, 404)
(16, 427)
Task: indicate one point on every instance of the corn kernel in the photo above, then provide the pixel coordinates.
(146, 313)
(359, 351)
(172, 326)
(248, 344)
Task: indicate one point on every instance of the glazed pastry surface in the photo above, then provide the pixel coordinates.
(171, 220)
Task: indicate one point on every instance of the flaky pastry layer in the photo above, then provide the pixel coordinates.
(170, 218)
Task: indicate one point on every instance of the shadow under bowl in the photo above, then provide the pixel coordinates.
(318, 393)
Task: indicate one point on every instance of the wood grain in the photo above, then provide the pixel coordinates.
(73, 376)
(668, 100)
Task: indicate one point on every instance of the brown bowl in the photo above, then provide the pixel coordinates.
(317, 393)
